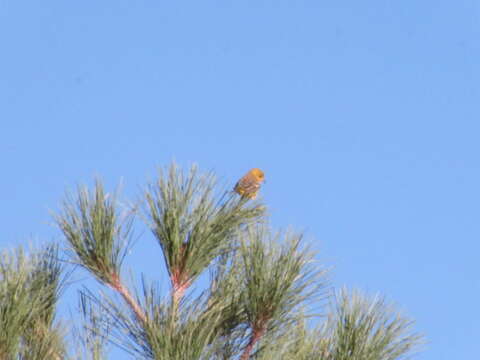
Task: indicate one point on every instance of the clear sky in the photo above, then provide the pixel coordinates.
(363, 114)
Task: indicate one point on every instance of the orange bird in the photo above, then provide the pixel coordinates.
(249, 184)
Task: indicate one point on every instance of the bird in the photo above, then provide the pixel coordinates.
(249, 184)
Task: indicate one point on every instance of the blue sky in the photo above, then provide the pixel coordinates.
(363, 114)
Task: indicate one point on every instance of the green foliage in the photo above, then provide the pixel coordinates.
(264, 286)
(357, 328)
(97, 236)
(30, 285)
(94, 332)
(185, 334)
(360, 328)
(279, 276)
(191, 223)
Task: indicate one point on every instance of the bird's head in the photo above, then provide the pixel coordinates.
(258, 174)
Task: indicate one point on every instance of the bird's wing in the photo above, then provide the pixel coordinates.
(247, 185)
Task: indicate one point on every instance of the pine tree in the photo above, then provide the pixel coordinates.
(267, 296)
(30, 285)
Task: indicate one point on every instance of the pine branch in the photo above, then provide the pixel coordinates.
(264, 286)
(278, 278)
(360, 328)
(29, 290)
(94, 332)
(98, 236)
(129, 299)
(192, 225)
(99, 239)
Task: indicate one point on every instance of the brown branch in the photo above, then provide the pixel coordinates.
(179, 277)
(129, 299)
(180, 284)
(179, 291)
(257, 334)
